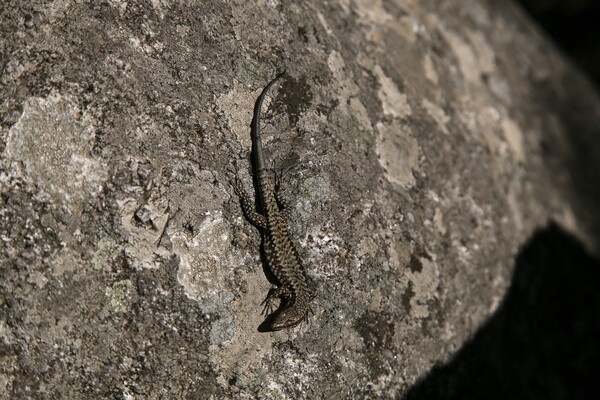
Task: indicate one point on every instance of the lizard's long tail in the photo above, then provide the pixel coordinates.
(255, 127)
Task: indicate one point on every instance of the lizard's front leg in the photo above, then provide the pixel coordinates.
(254, 217)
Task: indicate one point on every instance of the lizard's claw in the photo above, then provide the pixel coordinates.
(268, 302)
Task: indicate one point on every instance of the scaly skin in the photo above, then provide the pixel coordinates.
(282, 257)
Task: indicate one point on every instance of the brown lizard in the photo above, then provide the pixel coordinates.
(281, 255)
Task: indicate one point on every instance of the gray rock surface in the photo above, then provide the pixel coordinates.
(433, 139)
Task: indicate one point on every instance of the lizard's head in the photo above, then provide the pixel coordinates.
(287, 318)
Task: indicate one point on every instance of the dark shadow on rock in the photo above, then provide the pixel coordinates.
(572, 153)
(544, 340)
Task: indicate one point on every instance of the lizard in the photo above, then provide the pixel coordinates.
(280, 253)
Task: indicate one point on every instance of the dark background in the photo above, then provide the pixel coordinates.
(575, 27)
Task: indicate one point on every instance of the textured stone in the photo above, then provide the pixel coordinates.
(435, 139)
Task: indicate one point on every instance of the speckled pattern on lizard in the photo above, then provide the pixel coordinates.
(280, 253)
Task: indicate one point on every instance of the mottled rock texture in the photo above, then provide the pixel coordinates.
(434, 141)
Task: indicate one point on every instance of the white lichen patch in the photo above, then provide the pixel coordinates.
(206, 263)
(467, 60)
(106, 252)
(119, 295)
(324, 23)
(514, 137)
(398, 153)
(359, 111)
(499, 285)
(53, 140)
(424, 285)
(408, 27)
(486, 57)
(336, 64)
(515, 205)
(501, 89)
(64, 260)
(438, 220)
(374, 17)
(343, 82)
(393, 102)
(372, 11)
(236, 106)
(488, 119)
(438, 114)
(429, 69)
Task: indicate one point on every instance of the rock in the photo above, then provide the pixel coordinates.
(435, 143)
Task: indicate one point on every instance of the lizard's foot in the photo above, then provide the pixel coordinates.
(238, 187)
(269, 301)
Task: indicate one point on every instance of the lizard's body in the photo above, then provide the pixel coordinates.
(281, 255)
